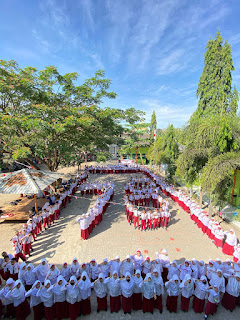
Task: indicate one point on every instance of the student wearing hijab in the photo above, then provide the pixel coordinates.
(147, 266)
(84, 285)
(201, 269)
(137, 291)
(8, 302)
(138, 259)
(213, 301)
(218, 280)
(232, 292)
(114, 290)
(35, 301)
(127, 265)
(187, 288)
(194, 267)
(41, 270)
(164, 260)
(149, 293)
(75, 268)
(52, 274)
(200, 294)
(185, 269)
(47, 297)
(159, 287)
(173, 292)
(100, 289)
(60, 298)
(73, 298)
(127, 285)
(230, 242)
(116, 265)
(105, 268)
(20, 303)
(94, 270)
(66, 271)
(29, 277)
(173, 270)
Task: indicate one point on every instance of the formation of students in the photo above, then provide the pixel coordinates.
(140, 192)
(94, 215)
(135, 283)
(110, 169)
(38, 222)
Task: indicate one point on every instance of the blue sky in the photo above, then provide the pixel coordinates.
(151, 49)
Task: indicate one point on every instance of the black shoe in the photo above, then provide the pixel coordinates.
(98, 310)
(125, 312)
(106, 309)
(160, 311)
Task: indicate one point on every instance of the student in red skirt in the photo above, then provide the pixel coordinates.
(100, 289)
(187, 288)
(149, 294)
(14, 268)
(60, 298)
(35, 301)
(73, 298)
(47, 297)
(159, 288)
(114, 290)
(8, 302)
(230, 242)
(200, 294)
(137, 291)
(213, 301)
(127, 285)
(173, 292)
(232, 292)
(84, 285)
(21, 305)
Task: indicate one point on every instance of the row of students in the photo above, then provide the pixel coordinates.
(110, 169)
(94, 215)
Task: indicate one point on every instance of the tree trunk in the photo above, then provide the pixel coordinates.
(201, 198)
(141, 156)
(210, 210)
(136, 155)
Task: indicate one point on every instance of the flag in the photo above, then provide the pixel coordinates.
(155, 133)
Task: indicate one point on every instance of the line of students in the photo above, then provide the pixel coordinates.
(94, 215)
(23, 239)
(134, 283)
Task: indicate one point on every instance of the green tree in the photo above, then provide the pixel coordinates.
(153, 125)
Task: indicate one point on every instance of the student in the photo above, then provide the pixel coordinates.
(185, 269)
(213, 301)
(127, 285)
(173, 291)
(18, 252)
(75, 268)
(20, 303)
(173, 270)
(159, 287)
(105, 268)
(84, 285)
(42, 270)
(46, 295)
(230, 242)
(52, 274)
(14, 269)
(66, 271)
(138, 259)
(94, 270)
(200, 294)
(7, 300)
(147, 266)
(73, 298)
(232, 292)
(116, 265)
(149, 294)
(60, 298)
(143, 220)
(187, 288)
(35, 301)
(137, 292)
(100, 289)
(29, 277)
(127, 265)
(114, 289)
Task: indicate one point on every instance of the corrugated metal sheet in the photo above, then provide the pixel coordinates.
(27, 181)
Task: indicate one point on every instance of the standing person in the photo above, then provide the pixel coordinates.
(41, 270)
(116, 265)
(232, 292)
(213, 301)
(105, 268)
(46, 294)
(173, 292)
(200, 294)
(138, 259)
(100, 289)
(84, 285)
(185, 269)
(136, 218)
(167, 218)
(18, 253)
(137, 292)
(127, 265)
(8, 302)
(127, 285)
(147, 267)
(149, 294)
(143, 220)
(114, 289)
(17, 294)
(66, 271)
(94, 270)
(60, 298)
(187, 288)
(230, 242)
(52, 274)
(35, 301)
(73, 298)
(29, 277)
(149, 219)
(164, 260)
(159, 287)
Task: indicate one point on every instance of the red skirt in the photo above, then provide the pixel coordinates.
(185, 303)
(38, 311)
(137, 301)
(86, 306)
(102, 303)
(61, 310)
(228, 301)
(158, 303)
(172, 303)
(49, 312)
(147, 305)
(84, 234)
(115, 304)
(165, 274)
(10, 311)
(218, 242)
(23, 310)
(74, 310)
(210, 308)
(126, 304)
(235, 259)
(198, 305)
(227, 249)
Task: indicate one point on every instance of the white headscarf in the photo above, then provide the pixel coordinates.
(18, 293)
(75, 267)
(84, 285)
(127, 287)
(57, 289)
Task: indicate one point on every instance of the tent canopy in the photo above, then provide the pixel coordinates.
(27, 181)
